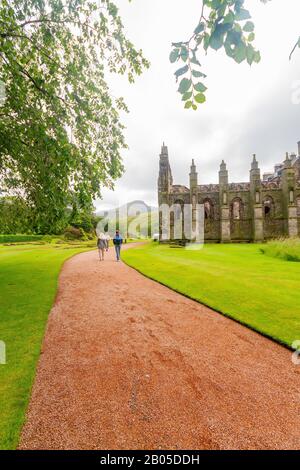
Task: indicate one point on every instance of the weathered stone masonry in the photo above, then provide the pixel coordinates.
(259, 210)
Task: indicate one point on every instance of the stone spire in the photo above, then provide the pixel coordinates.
(287, 162)
(255, 180)
(255, 171)
(164, 150)
(223, 174)
(193, 176)
(165, 179)
(254, 164)
(223, 166)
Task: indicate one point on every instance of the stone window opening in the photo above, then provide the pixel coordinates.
(208, 210)
(236, 209)
(268, 207)
(267, 210)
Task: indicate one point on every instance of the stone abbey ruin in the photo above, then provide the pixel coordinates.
(264, 208)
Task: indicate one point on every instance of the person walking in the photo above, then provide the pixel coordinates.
(117, 241)
(107, 240)
(102, 245)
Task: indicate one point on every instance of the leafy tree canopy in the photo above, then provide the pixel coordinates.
(60, 129)
(223, 24)
(14, 215)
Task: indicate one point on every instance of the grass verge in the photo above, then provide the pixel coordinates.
(287, 249)
(237, 280)
(28, 283)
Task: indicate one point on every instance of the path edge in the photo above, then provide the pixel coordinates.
(218, 311)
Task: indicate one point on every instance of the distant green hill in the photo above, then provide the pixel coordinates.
(143, 225)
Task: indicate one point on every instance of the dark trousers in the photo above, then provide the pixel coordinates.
(118, 250)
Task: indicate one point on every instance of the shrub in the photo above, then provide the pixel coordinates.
(19, 238)
(287, 249)
(73, 233)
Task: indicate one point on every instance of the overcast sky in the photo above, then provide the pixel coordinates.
(248, 110)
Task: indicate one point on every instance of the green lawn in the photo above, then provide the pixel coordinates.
(28, 281)
(237, 280)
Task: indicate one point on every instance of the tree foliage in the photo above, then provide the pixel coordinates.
(14, 215)
(223, 24)
(61, 136)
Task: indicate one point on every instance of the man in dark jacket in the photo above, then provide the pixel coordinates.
(118, 240)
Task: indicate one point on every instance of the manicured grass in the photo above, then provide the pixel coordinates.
(28, 282)
(238, 280)
(286, 249)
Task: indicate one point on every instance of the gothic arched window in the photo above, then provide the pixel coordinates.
(208, 209)
(268, 206)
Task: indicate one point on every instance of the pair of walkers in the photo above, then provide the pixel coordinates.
(103, 244)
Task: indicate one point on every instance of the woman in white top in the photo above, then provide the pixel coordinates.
(102, 245)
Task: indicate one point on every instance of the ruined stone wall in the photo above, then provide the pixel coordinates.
(297, 199)
(241, 227)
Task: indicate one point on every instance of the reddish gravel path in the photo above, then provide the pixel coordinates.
(139, 366)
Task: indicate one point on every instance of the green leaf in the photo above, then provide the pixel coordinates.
(194, 60)
(250, 53)
(188, 104)
(174, 55)
(200, 87)
(217, 38)
(197, 74)
(187, 95)
(200, 98)
(216, 42)
(185, 85)
(238, 29)
(184, 54)
(249, 27)
(240, 53)
(242, 15)
(229, 18)
(181, 71)
(206, 41)
(221, 10)
(199, 28)
(257, 57)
